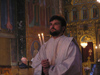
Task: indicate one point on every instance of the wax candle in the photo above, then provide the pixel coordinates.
(40, 39)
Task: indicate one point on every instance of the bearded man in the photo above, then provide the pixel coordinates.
(60, 55)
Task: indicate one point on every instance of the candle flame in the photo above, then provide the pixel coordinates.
(39, 35)
(42, 34)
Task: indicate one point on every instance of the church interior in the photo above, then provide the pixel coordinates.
(23, 22)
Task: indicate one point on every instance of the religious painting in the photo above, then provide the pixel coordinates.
(75, 16)
(85, 14)
(7, 16)
(33, 12)
(36, 12)
(95, 12)
(35, 48)
(42, 12)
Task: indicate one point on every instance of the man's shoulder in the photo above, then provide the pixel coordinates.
(71, 39)
(68, 38)
(64, 38)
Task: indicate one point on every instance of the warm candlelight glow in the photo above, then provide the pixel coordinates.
(98, 1)
(42, 34)
(39, 35)
(42, 37)
(84, 44)
(96, 47)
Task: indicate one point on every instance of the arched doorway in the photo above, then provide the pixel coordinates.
(87, 51)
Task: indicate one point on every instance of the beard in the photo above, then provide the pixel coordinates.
(55, 33)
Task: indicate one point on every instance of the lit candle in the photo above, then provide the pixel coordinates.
(40, 39)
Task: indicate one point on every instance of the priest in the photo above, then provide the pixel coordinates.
(60, 55)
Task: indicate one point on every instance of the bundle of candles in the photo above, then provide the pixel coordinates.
(41, 38)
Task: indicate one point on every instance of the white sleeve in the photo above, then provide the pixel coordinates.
(39, 56)
(36, 63)
(71, 65)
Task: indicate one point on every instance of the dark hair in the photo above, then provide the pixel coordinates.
(60, 18)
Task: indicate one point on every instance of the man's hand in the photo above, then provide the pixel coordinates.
(45, 65)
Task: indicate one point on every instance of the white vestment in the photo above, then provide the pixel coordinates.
(63, 54)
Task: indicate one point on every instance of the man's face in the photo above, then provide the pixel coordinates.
(55, 28)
